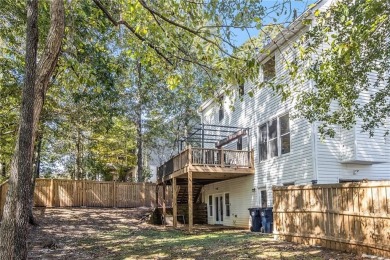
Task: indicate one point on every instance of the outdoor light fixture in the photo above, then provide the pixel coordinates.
(253, 190)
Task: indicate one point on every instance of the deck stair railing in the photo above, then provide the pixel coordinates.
(206, 157)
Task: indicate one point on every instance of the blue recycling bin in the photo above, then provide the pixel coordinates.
(266, 220)
(255, 219)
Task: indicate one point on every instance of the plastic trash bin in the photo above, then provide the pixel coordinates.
(266, 220)
(255, 219)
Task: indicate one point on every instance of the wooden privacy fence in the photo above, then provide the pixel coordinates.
(72, 193)
(352, 217)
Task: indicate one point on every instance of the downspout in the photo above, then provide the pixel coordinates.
(314, 152)
(314, 145)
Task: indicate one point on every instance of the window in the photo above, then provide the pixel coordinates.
(274, 137)
(284, 122)
(263, 198)
(289, 184)
(227, 204)
(263, 143)
(221, 112)
(269, 70)
(241, 90)
(239, 143)
(211, 206)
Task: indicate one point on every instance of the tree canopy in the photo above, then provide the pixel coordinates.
(348, 50)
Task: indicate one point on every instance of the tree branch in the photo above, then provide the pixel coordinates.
(194, 32)
(127, 25)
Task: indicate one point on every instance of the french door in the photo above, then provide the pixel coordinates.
(218, 209)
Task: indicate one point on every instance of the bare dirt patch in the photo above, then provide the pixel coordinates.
(90, 233)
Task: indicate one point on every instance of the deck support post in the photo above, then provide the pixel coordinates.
(174, 202)
(164, 204)
(190, 203)
(157, 186)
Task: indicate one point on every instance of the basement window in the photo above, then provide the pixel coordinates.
(269, 70)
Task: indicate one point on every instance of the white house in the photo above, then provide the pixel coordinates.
(287, 150)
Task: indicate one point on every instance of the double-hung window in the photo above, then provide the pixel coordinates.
(269, 70)
(274, 137)
(284, 122)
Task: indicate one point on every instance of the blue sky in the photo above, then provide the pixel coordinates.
(299, 5)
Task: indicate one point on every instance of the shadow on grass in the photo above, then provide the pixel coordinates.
(175, 244)
(119, 234)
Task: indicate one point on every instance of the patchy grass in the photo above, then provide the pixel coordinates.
(120, 234)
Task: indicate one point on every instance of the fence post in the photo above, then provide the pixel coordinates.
(114, 194)
(84, 193)
(52, 195)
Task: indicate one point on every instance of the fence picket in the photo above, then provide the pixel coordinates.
(349, 217)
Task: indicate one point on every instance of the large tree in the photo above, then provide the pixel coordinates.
(13, 229)
(171, 34)
(347, 55)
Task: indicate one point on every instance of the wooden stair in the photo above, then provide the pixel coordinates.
(182, 196)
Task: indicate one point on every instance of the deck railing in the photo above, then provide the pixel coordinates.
(206, 157)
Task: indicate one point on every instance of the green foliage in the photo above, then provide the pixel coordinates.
(347, 53)
(186, 51)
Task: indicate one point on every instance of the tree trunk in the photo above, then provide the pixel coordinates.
(78, 156)
(140, 165)
(14, 225)
(38, 156)
(2, 169)
(13, 231)
(31, 218)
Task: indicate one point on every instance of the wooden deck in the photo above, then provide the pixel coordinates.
(201, 166)
(207, 165)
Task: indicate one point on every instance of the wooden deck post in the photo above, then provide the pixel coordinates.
(174, 202)
(222, 158)
(189, 162)
(157, 196)
(190, 203)
(164, 204)
(252, 158)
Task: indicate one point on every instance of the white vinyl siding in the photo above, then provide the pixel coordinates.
(305, 158)
(241, 198)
